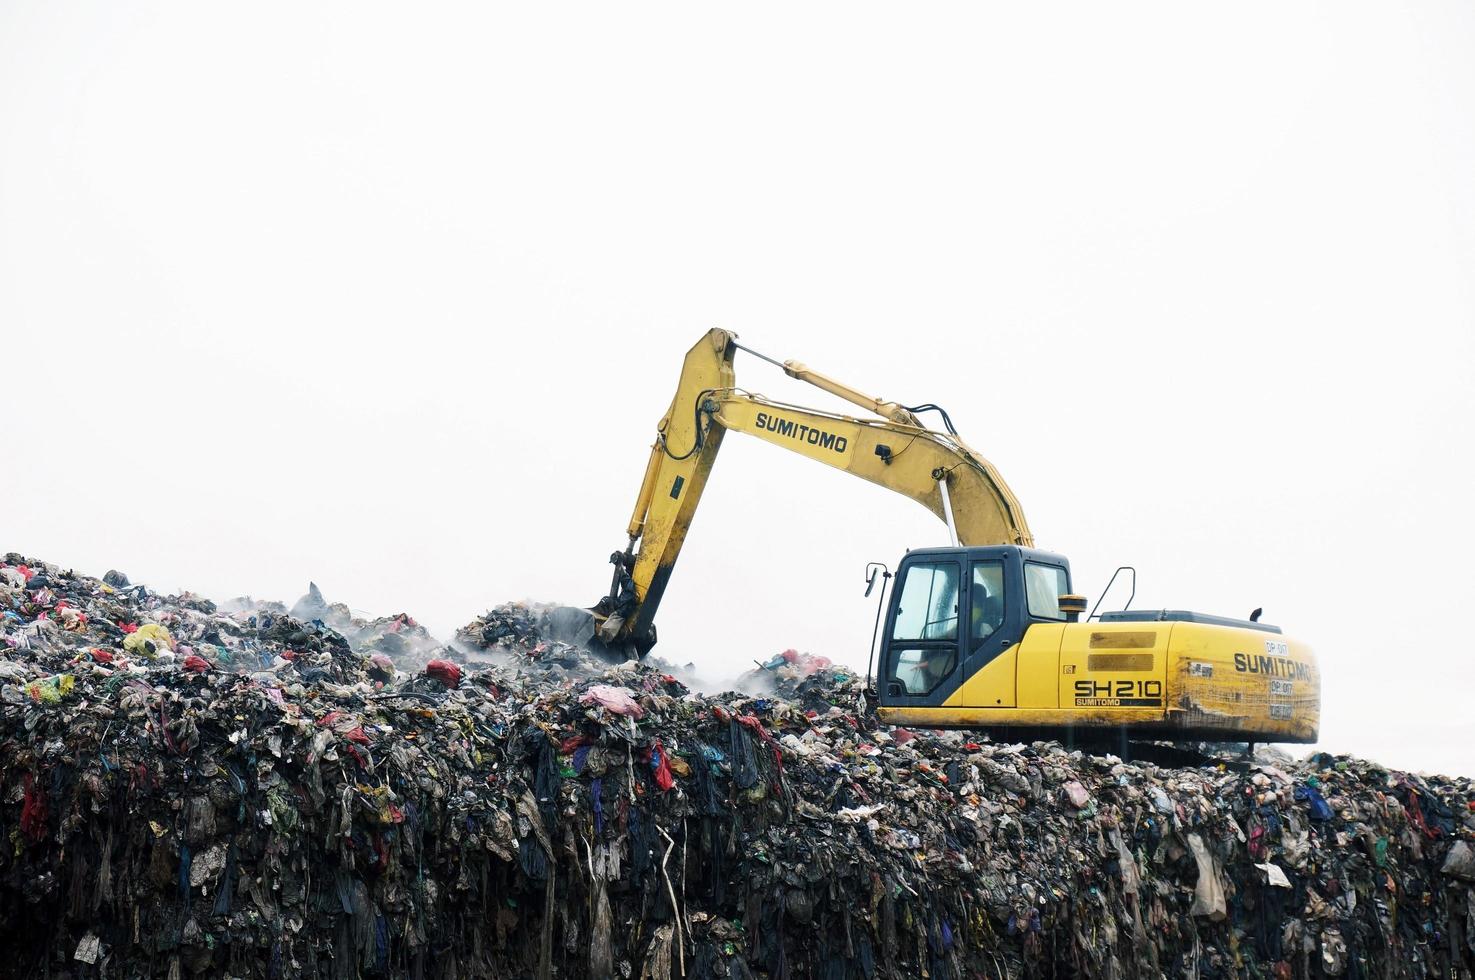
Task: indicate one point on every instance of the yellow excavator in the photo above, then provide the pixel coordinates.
(986, 634)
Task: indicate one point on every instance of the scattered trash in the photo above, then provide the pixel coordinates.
(1460, 862)
(618, 700)
(445, 672)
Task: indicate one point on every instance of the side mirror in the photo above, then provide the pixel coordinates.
(873, 570)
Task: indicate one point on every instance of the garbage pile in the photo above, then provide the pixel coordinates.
(816, 683)
(186, 791)
(527, 635)
(398, 637)
(545, 644)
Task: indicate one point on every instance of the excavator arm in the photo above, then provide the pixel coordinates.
(894, 450)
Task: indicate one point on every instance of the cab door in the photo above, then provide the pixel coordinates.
(921, 663)
(994, 627)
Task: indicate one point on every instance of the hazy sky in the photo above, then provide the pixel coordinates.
(392, 297)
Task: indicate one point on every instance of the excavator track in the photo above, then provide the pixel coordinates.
(1180, 755)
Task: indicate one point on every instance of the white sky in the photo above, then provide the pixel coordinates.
(391, 298)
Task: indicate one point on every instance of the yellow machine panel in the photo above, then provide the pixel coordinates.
(992, 685)
(1039, 665)
(1241, 680)
(1115, 666)
(1154, 679)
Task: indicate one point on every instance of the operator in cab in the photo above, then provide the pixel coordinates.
(986, 601)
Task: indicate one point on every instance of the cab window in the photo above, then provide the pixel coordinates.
(928, 606)
(921, 670)
(985, 600)
(1044, 585)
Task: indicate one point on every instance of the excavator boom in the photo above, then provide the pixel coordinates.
(936, 469)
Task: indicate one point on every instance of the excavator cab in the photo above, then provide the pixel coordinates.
(954, 611)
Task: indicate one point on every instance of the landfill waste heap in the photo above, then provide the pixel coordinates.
(237, 791)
